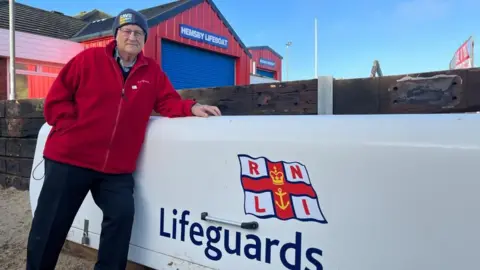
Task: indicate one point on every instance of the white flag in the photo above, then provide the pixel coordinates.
(307, 208)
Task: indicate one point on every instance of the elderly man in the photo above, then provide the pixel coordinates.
(99, 108)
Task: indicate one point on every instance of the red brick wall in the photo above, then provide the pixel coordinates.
(3, 78)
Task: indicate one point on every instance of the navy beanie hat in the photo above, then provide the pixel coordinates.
(130, 16)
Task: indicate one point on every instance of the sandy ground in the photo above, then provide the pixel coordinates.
(15, 221)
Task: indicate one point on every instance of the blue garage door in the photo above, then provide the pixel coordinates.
(189, 67)
(266, 73)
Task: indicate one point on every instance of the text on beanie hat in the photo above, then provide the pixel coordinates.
(130, 16)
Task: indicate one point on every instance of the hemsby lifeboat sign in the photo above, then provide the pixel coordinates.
(245, 192)
(197, 34)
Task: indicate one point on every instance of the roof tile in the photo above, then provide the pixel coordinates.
(106, 24)
(41, 22)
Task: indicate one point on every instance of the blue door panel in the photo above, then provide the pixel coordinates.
(266, 73)
(189, 67)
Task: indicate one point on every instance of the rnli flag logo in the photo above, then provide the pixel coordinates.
(278, 189)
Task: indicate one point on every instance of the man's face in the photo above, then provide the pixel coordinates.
(130, 39)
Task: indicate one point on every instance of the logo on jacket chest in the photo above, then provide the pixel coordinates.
(139, 84)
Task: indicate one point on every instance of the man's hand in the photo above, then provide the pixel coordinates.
(204, 110)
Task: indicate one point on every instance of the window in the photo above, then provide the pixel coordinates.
(33, 80)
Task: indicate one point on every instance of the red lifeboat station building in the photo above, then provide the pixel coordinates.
(191, 40)
(266, 62)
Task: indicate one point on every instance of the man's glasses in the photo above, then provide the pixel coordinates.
(128, 32)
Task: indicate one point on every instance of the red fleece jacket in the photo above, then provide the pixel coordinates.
(99, 120)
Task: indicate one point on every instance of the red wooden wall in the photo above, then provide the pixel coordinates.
(34, 78)
(98, 42)
(200, 16)
(269, 55)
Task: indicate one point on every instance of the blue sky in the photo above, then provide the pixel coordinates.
(405, 36)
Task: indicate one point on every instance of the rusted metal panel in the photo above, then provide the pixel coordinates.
(388, 94)
(426, 94)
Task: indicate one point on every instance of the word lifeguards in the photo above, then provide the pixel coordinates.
(217, 244)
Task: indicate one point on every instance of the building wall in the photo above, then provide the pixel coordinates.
(38, 60)
(33, 78)
(39, 48)
(201, 16)
(98, 42)
(204, 17)
(3, 78)
(269, 55)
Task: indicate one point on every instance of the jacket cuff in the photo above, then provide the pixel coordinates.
(187, 107)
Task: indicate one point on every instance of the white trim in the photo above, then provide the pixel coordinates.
(35, 73)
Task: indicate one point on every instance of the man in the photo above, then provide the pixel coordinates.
(99, 108)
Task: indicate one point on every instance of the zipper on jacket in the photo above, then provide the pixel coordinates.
(114, 128)
(119, 109)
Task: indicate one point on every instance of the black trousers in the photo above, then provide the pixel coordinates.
(62, 194)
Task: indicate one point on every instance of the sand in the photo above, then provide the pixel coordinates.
(15, 221)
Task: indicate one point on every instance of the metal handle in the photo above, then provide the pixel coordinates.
(85, 238)
(253, 225)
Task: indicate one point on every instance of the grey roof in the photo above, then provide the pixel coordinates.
(41, 22)
(92, 15)
(104, 26)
